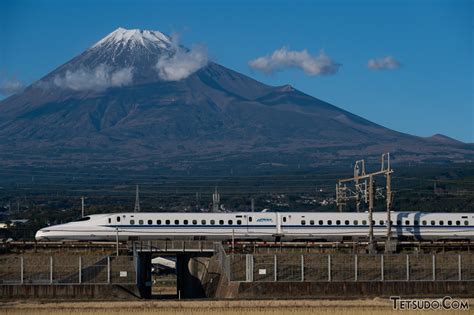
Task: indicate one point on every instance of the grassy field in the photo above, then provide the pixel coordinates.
(270, 307)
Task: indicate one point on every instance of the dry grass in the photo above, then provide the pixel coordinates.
(269, 307)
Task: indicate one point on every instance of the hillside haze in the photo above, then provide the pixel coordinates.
(129, 102)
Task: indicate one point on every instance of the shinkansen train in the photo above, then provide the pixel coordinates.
(264, 226)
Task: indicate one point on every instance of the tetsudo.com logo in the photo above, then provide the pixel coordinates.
(445, 303)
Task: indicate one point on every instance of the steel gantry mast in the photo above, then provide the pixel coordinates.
(367, 192)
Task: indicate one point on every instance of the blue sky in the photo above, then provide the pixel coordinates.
(431, 92)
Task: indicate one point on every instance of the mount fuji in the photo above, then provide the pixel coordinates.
(137, 99)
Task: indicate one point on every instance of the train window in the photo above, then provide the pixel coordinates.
(346, 222)
(158, 221)
(303, 222)
(118, 219)
(329, 222)
(213, 222)
(416, 222)
(321, 222)
(466, 222)
(110, 220)
(356, 222)
(407, 222)
(221, 222)
(140, 221)
(441, 222)
(311, 222)
(185, 222)
(203, 222)
(239, 222)
(168, 222)
(399, 222)
(195, 222)
(150, 222)
(250, 219)
(381, 222)
(450, 222)
(458, 222)
(338, 222)
(423, 222)
(132, 222)
(176, 221)
(230, 222)
(364, 222)
(284, 219)
(433, 222)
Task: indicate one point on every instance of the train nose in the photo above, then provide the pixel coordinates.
(40, 235)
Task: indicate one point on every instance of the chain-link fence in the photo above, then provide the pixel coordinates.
(348, 267)
(67, 269)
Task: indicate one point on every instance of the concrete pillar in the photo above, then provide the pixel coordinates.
(144, 274)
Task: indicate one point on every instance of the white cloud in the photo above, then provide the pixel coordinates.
(284, 58)
(10, 86)
(182, 62)
(387, 62)
(97, 79)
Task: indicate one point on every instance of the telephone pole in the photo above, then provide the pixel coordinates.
(82, 206)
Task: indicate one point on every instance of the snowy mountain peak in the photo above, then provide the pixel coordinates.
(135, 37)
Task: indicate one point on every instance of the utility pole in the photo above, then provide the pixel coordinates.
(390, 244)
(252, 204)
(82, 206)
(137, 200)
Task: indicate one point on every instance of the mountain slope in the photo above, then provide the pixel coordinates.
(213, 115)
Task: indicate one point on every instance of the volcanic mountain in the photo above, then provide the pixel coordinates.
(137, 99)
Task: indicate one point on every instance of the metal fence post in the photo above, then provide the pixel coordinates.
(22, 270)
(80, 269)
(459, 267)
(408, 268)
(382, 270)
(249, 267)
(355, 267)
(108, 269)
(329, 267)
(434, 267)
(51, 269)
(302, 267)
(275, 268)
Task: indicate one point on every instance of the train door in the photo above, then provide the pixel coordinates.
(284, 222)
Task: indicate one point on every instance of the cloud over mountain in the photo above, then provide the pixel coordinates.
(284, 58)
(182, 62)
(96, 79)
(10, 86)
(384, 63)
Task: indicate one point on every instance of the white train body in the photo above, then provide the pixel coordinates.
(284, 226)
